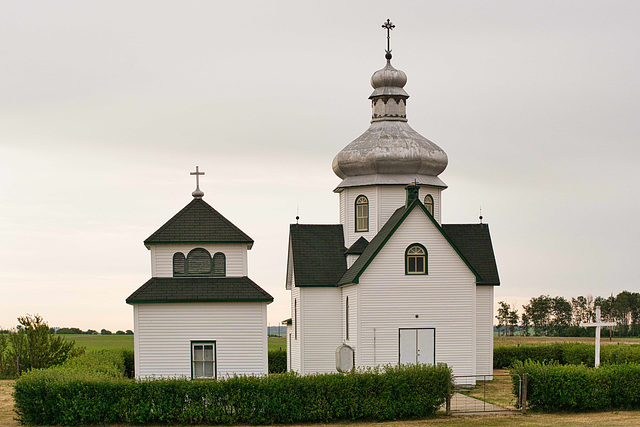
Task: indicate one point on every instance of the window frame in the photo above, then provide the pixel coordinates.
(224, 264)
(187, 273)
(215, 359)
(431, 205)
(346, 319)
(295, 318)
(425, 262)
(355, 213)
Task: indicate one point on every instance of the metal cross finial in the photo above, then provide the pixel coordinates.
(197, 194)
(388, 26)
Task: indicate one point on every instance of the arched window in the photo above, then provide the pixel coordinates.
(428, 203)
(178, 264)
(362, 213)
(219, 264)
(346, 318)
(416, 259)
(199, 262)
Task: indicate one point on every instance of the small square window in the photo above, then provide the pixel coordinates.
(203, 359)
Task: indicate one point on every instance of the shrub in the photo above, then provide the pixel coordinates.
(277, 361)
(565, 354)
(552, 387)
(66, 397)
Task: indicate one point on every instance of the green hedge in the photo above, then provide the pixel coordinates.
(552, 387)
(565, 354)
(277, 361)
(63, 397)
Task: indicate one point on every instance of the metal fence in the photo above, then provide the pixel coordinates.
(485, 394)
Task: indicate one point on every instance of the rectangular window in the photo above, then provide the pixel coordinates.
(203, 359)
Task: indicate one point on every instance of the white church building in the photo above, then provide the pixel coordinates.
(199, 316)
(390, 284)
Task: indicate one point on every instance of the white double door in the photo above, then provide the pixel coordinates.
(418, 346)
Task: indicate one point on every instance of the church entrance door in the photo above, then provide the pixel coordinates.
(417, 346)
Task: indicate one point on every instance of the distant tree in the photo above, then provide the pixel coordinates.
(105, 332)
(512, 320)
(63, 331)
(539, 314)
(525, 323)
(33, 347)
(91, 332)
(561, 315)
(129, 332)
(119, 332)
(503, 316)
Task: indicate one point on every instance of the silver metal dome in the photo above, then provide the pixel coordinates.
(390, 151)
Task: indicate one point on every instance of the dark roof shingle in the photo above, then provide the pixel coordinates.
(198, 222)
(474, 241)
(199, 289)
(358, 247)
(318, 254)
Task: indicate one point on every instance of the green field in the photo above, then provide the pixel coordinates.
(108, 342)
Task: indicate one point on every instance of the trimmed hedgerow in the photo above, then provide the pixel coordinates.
(565, 354)
(277, 361)
(392, 393)
(552, 387)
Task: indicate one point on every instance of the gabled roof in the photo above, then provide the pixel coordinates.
(199, 289)
(198, 222)
(474, 241)
(358, 247)
(317, 253)
(353, 274)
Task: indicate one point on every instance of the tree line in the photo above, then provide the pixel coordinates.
(557, 316)
(76, 331)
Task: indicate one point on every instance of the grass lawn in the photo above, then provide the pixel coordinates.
(506, 341)
(277, 343)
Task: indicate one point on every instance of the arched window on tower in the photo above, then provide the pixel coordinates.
(416, 259)
(199, 262)
(179, 264)
(362, 213)
(219, 264)
(428, 203)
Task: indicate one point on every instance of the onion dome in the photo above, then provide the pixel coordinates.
(390, 151)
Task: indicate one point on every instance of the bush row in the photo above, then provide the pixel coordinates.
(277, 361)
(63, 397)
(565, 354)
(552, 387)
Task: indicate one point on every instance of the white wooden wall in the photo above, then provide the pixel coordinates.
(163, 335)
(296, 343)
(444, 299)
(484, 330)
(321, 321)
(235, 253)
(350, 291)
(384, 200)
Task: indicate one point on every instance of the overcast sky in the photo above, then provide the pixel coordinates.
(105, 108)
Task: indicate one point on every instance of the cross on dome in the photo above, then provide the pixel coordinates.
(388, 26)
(198, 194)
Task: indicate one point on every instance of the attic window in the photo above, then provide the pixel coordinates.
(178, 264)
(199, 262)
(219, 264)
(416, 259)
(362, 213)
(428, 203)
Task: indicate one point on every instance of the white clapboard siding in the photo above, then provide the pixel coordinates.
(394, 196)
(296, 342)
(349, 223)
(351, 259)
(321, 327)
(235, 253)
(343, 196)
(484, 330)
(444, 299)
(164, 333)
(351, 292)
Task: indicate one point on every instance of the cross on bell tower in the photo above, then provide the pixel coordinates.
(198, 194)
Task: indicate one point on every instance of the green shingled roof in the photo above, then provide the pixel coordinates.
(198, 222)
(317, 254)
(199, 289)
(358, 247)
(474, 241)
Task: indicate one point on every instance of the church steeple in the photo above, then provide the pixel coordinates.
(390, 152)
